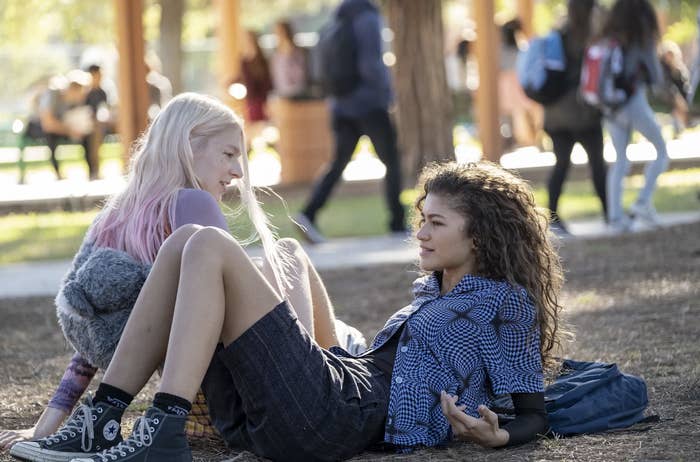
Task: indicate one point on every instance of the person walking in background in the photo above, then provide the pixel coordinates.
(484, 321)
(675, 84)
(568, 120)
(61, 112)
(362, 110)
(695, 67)
(522, 115)
(96, 99)
(288, 65)
(160, 90)
(255, 76)
(633, 24)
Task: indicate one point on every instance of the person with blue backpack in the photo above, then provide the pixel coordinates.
(632, 27)
(568, 120)
(359, 86)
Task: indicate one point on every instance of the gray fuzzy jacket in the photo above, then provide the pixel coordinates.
(95, 300)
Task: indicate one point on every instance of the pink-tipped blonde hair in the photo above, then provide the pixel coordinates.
(138, 219)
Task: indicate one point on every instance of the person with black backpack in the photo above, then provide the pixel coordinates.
(568, 120)
(359, 86)
(633, 25)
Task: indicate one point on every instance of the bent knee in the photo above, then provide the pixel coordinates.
(174, 243)
(210, 241)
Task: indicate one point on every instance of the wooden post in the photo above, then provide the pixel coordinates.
(229, 36)
(487, 54)
(133, 92)
(525, 14)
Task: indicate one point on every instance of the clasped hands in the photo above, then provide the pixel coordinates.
(484, 431)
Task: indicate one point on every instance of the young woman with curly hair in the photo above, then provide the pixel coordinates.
(483, 322)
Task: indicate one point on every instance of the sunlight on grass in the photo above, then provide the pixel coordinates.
(57, 235)
(42, 236)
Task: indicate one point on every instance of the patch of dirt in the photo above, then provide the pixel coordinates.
(633, 300)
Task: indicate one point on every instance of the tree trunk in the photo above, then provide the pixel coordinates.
(170, 41)
(423, 101)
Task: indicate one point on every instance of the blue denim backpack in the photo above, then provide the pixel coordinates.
(541, 68)
(594, 397)
(588, 397)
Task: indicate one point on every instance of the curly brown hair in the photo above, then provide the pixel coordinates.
(510, 232)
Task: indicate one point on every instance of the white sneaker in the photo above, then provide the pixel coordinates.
(620, 226)
(308, 229)
(647, 214)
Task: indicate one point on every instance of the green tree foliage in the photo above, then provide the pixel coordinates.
(26, 23)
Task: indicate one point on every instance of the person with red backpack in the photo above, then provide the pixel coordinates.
(568, 120)
(633, 27)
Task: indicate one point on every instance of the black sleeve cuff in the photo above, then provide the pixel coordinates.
(530, 418)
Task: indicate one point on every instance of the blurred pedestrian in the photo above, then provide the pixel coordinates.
(62, 112)
(288, 65)
(96, 99)
(568, 120)
(675, 84)
(695, 69)
(522, 115)
(160, 90)
(360, 110)
(633, 24)
(255, 76)
(456, 62)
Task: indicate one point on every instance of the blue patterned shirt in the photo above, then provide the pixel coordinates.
(475, 342)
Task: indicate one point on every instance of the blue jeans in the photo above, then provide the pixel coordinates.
(637, 115)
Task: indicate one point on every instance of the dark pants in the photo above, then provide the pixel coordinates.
(347, 132)
(592, 142)
(91, 158)
(52, 141)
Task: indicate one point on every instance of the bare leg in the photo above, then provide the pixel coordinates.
(142, 345)
(221, 294)
(324, 315)
(307, 296)
(299, 294)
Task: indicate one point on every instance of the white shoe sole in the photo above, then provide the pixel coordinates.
(29, 450)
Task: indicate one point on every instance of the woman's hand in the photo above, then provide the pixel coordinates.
(47, 424)
(10, 437)
(483, 431)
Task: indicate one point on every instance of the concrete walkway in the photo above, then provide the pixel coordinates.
(43, 192)
(43, 278)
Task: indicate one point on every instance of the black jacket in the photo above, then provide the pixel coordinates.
(569, 113)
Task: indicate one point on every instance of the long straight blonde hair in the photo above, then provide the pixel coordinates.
(138, 219)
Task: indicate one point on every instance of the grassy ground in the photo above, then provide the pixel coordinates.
(633, 300)
(57, 235)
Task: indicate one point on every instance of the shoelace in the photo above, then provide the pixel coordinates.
(141, 436)
(80, 422)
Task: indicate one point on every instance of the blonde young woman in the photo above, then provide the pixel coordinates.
(183, 164)
(483, 321)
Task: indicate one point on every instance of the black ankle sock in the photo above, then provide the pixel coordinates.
(113, 396)
(172, 404)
